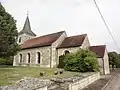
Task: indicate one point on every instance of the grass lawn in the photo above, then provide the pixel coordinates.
(9, 75)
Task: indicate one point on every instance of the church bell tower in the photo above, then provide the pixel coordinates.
(26, 33)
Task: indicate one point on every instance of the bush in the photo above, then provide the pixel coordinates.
(6, 61)
(81, 61)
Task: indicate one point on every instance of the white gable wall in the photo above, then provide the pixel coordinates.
(101, 67)
(106, 63)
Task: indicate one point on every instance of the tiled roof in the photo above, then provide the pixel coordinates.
(41, 41)
(27, 28)
(98, 50)
(73, 41)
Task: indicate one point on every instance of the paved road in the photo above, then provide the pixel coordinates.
(114, 84)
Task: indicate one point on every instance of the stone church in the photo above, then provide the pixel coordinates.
(44, 51)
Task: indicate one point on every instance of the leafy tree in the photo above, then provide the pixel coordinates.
(8, 34)
(114, 59)
(81, 61)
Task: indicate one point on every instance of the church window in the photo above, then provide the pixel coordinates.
(66, 52)
(20, 58)
(38, 57)
(20, 40)
(28, 57)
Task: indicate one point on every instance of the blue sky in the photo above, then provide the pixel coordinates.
(74, 16)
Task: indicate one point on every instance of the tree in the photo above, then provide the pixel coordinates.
(81, 61)
(8, 34)
(114, 59)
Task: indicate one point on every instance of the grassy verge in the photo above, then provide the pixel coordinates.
(9, 75)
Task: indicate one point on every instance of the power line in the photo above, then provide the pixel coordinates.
(106, 24)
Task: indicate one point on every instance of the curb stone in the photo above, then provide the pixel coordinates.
(110, 81)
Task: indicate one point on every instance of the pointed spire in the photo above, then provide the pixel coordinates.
(27, 28)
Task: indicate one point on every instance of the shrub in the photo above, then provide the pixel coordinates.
(6, 61)
(81, 61)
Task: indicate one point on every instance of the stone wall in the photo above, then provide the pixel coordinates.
(86, 43)
(45, 57)
(61, 51)
(54, 51)
(76, 82)
(80, 84)
(24, 37)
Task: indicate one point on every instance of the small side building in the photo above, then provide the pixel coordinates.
(102, 56)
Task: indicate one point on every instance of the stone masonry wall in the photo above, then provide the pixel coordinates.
(86, 43)
(61, 51)
(54, 51)
(45, 57)
(80, 84)
(24, 37)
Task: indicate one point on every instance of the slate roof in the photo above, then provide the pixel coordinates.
(42, 41)
(73, 41)
(27, 28)
(98, 50)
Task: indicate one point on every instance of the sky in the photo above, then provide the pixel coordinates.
(74, 16)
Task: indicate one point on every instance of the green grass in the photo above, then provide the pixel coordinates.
(9, 75)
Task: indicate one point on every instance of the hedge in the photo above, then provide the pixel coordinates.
(6, 61)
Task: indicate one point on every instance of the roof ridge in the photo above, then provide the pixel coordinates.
(42, 40)
(73, 41)
(47, 35)
(97, 45)
(77, 35)
(99, 50)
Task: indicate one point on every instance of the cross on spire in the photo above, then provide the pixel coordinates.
(27, 12)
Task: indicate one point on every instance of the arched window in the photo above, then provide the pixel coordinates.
(28, 58)
(20, 58)
(38, 57)
(19, 40)
(66, 52)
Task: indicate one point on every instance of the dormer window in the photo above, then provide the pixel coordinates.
(20, 40)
